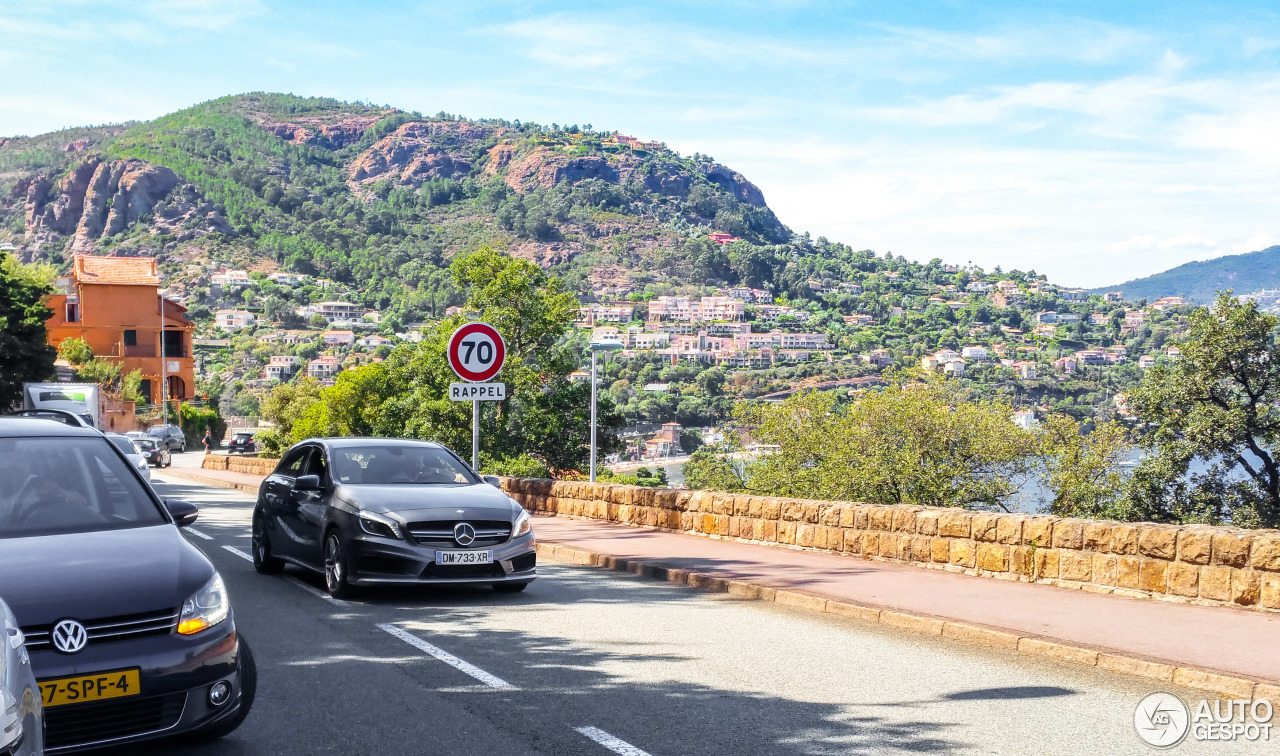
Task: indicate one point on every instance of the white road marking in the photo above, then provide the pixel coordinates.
(238, 553)
(450, 659)
(608, 741)
(198, 534)
(314, 591)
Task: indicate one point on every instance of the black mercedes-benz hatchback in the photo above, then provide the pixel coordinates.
(129, 627)
(370, 511)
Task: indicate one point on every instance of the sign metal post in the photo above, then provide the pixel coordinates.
(476, 353)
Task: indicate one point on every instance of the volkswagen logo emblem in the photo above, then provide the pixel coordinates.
(69, 636)
(464, 534)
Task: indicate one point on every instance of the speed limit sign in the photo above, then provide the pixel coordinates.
(476, 352)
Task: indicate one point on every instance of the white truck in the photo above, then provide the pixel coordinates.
(79, 398)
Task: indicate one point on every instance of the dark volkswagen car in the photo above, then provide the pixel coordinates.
(242, 443)
(367, 511)
(129, 627)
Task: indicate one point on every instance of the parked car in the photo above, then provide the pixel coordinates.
(157, 454)
(131, 453)
(21, 713)
(169, 435)
(61, 416)
(242, 443)
(367, 511)
(129, 627)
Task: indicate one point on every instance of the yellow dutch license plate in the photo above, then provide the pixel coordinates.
(87, 688)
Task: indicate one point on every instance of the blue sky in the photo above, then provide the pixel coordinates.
(1090, 141)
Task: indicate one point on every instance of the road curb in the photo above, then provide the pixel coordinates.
(208, 481)
(1223, 684)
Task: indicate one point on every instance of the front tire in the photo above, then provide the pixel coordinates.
(248, 670)
(263, 561)
(337, 573)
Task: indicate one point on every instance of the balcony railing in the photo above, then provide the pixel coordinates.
(140, 350)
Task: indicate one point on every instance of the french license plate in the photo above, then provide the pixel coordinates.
(103, 685)
(464, 557)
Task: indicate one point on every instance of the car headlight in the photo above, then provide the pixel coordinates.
(206, 608)
(11, 734)
(523, 524)
(378, 525)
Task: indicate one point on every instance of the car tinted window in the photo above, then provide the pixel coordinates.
(376, 465)
(69, 485)
(292, 464)
(123, 444)
(145, 444)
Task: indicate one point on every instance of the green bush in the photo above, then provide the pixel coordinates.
(523, 466)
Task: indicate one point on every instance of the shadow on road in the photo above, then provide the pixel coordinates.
(562, 684)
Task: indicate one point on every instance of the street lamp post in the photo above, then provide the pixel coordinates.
(164, 399)
(602, 345)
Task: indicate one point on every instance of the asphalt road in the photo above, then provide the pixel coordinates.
(592, 662)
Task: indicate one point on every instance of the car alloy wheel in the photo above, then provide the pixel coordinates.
(335, 567)
(263, 561)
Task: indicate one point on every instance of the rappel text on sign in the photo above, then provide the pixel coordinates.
(471, 392)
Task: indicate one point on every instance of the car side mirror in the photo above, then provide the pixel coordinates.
(493, 480)
(183, 512)
(307, 483)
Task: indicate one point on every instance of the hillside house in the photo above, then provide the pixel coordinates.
(372, 341)
(234, 320)
(323, 368)
(114, 305)
(287, 279)
(281, 367)
(1025, 369)
(333, 312)
(1091, 357)
(1099, 319)
(597, 313)
(338, 338)
(1024, 419)
(878, 357)
(1165, 303)
(979, 287)
(1065, 364)
(1074, 295)
(974, 353)
(1147, 361)
(954, 368)
(1113, 296)
(230, 279)
(859, 320)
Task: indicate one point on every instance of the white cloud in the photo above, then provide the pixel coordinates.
(209, 15)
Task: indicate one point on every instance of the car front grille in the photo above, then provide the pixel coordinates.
(123, 627)
(439, 534)
(80, 724)
(462, 571)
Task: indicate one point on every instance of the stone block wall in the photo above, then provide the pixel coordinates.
(1189, 563)
(248, 465)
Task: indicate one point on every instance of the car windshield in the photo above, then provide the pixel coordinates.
(377, 465)
(51, 486)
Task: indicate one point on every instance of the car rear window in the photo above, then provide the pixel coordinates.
(145, 444)
(50, 486)
(124, 444)
(378, 465)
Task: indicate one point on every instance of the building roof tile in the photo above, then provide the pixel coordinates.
(137, 271)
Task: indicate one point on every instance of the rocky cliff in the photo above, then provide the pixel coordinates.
(100, 198)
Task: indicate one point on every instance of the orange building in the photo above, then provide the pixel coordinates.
(114, 304)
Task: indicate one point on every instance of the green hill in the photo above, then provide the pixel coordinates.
(1200, 281)
(376, 198)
